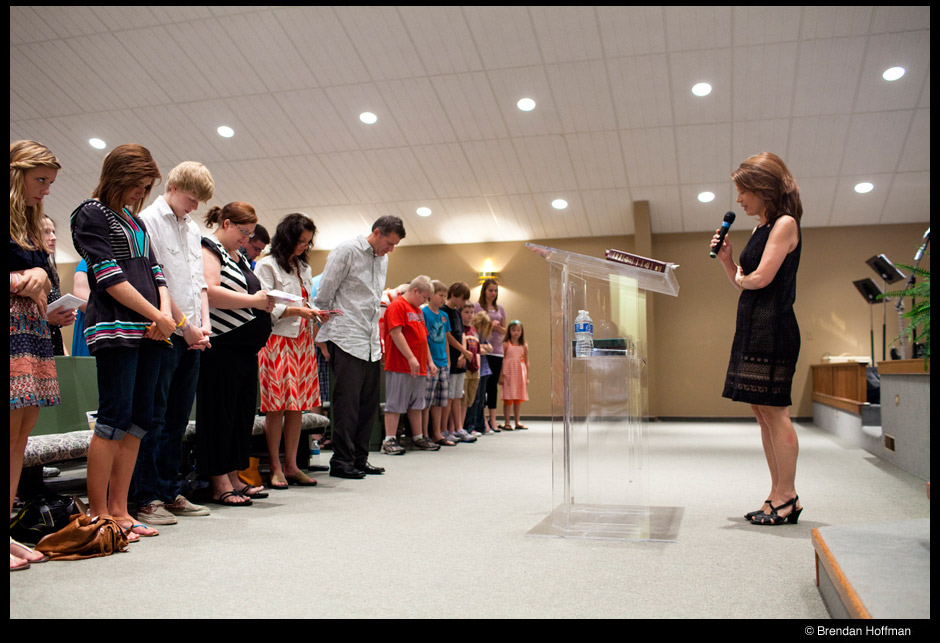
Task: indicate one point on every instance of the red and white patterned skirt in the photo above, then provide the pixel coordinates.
(288, 371)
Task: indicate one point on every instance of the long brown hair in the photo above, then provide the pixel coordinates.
(27, 222)
(486, 284)
(767, 175)
(123, 168)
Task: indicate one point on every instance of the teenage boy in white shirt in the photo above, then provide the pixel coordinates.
(175, 237)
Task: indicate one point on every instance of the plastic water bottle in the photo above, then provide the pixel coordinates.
(583, 335)
(314, 453)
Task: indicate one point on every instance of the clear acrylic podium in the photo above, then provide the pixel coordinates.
(599, 403)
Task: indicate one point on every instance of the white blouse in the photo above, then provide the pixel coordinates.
(273, 277)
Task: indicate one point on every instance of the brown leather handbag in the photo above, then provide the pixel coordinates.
(84, 537)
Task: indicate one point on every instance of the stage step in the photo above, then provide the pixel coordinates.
(874, 571)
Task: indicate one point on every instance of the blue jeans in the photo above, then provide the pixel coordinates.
(157, 474)
(127, 379)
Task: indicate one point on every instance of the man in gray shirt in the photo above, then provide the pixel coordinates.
(352, 282)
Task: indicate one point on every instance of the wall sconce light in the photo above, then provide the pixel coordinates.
(488, 274)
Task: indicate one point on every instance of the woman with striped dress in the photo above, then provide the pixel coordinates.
(228, 372)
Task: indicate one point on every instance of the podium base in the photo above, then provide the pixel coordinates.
(611, 522)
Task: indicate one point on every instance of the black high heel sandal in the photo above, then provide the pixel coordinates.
(773, 518)
(751, 514)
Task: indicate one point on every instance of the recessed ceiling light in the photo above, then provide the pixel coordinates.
(862, 188)
(526, 104)
(701, 89)
(368, 118)
(424, 212)
(706, 197)
(226, 131)
(559, 204)
(893, 73)
(97, 143)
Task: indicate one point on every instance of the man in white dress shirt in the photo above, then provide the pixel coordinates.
(175, 239)
(352, 282)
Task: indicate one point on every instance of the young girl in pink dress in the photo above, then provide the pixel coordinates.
(514, 376)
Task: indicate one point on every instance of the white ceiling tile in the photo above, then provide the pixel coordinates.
(504, 36)
(597, 160)
(703, 27)
(827, 76)
(442, 39)
(821, 22)
(641, 92)
(910, 50)
(764, 25)
(689, 68)
(875, 142)
(382, 41)
(752, 137)
(582, 96)
(704, 153)
(610, 212)
(763, 81)
(566, 33)
(631, 31)
(418, 111)
(470, 105)
(496, 166)
(546, 163)
(817, 144)
(350, 101)
(900, 18)
(915, 157)
(265, 46)
(324, 45)
(851, 208)
(650, 156)
(317, 121)
(398, 174)
(509, 85)
(447, 169)
(908, 199)
(817, 194)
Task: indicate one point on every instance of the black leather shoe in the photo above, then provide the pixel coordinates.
(368, 469)
(350, 473)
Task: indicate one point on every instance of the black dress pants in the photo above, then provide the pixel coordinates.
(354, 402)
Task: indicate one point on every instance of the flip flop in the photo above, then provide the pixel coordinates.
(444, 442)
(142, 530)
(30, 550)
(258, 495)
(20, 566)
(228, 494)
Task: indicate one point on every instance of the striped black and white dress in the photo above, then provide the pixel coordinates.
(227, 391)
(233, 277)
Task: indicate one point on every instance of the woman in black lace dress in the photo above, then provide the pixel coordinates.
(767, 338)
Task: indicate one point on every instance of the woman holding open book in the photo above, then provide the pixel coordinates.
(287, 363)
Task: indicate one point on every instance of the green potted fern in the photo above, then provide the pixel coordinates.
(918, 316)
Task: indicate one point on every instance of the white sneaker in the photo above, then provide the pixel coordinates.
(183, 507)
(155, 513)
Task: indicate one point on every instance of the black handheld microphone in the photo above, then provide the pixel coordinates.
(729, 219)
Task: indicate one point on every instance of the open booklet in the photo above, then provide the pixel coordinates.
(65, 302)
